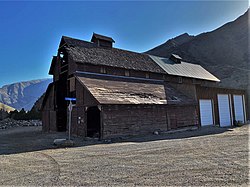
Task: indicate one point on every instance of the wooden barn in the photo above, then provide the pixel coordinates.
(121, 92)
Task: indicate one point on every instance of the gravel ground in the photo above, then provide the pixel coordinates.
(207, 157)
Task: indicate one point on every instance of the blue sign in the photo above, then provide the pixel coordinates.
(70, 99)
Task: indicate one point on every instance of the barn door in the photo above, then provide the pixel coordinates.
(93, 122)
(239, 112)
(224, 110)
(206, 112)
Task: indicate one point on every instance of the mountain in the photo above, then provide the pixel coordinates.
(169, 46)
(6, 107)
(23, 94)
(223, 51)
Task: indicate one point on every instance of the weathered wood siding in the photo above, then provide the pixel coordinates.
(187, 89)
(83, 99)
(49, 113)
(126, 120)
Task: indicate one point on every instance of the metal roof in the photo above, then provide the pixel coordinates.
(183, 69)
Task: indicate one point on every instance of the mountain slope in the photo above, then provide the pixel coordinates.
(23, 94)
(6, 107)
(224, 52)
(169, 46)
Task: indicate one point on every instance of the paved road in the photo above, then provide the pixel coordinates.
(197, 158)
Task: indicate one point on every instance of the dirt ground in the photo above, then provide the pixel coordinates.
(206, 157)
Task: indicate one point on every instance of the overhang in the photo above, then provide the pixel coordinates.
(113, 91)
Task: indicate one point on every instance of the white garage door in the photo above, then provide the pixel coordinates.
(224, 110)
(206, 112)
(239, 108)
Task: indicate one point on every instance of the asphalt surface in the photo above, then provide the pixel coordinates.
(206, 157)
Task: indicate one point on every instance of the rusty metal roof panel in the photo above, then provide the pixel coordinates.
(184, 69)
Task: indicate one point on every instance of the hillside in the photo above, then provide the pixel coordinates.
(23, 94)
(6, 107)
(224, 52)
(169, 46)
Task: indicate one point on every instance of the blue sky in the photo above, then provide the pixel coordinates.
(30, 31)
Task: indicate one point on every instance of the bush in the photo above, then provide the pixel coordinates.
(238, 123)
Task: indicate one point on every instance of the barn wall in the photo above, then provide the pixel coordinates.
(83, 99)
(187, 89)
(211, 93)
(49, 113)
(182, 116)
(124, 120)
(72, 66)
(156, 76)
(117, 71)
(56, 71)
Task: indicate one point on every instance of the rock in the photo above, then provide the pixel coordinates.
(63, 143)
(10, 123)
(58, 141)
(156, 133)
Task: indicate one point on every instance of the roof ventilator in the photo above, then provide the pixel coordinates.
(102, 41)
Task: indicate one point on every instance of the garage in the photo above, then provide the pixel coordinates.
(224, 110)
(206, 112)
(239, 108)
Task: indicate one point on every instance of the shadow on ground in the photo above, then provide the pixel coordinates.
(27, 139)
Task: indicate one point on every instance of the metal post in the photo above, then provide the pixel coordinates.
(70, 107)
(70, 110)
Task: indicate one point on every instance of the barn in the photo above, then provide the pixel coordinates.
(123, 93)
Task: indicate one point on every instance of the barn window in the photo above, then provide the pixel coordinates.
(61, 55)
(103, 70)
(180, 80)
(194, 81)
(147, 75)
(127, 73)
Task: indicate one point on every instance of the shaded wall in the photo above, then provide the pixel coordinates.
(126, 120)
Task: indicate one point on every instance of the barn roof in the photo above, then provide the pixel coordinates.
(87, 52)
(121, 91)
(184, 69)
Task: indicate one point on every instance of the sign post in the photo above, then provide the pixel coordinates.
(70, 107)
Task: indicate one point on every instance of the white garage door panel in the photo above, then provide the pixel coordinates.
(224, 110)
(238, 108)
(206, 112)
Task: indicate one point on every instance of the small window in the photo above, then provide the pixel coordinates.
(180, 80)
(147, 75)
(194, 81)
(103, 70)
(61, 55)
(127, 73)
